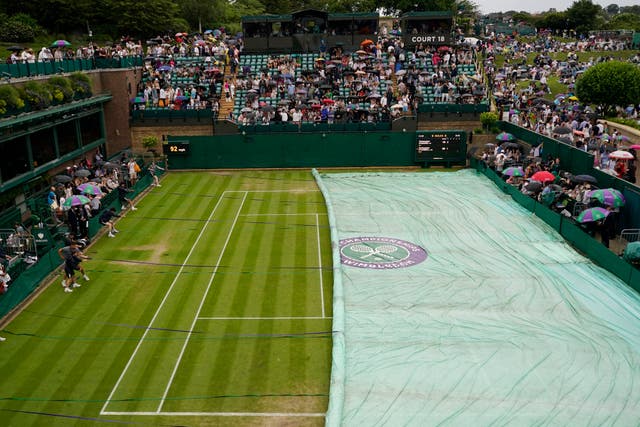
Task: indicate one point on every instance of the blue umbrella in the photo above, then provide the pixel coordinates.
(165, 68)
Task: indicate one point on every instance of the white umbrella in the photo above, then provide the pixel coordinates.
(619, 154)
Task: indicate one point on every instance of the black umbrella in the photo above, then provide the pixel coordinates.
(109, 165)
(509, 145)
(562, 130)
(533, 186)
(565, 139)
(15, 48)
(83, 173)
(585, 178)
(62, 178)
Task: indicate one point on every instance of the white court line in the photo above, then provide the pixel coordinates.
(271, 191)
(320, 264)
(265, 318)
(282, 214)
(166, 296)
(204, 297)
(222, 414)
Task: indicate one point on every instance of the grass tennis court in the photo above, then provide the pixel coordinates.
(212, 306)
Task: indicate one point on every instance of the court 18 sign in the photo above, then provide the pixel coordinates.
(380, 253)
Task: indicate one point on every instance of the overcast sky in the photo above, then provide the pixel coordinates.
(488, 6)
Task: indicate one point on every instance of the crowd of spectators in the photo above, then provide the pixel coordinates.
(114, 176)
(564, 118)
(338, 86)
(564, 193)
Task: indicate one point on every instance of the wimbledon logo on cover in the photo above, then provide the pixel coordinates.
(380, 253)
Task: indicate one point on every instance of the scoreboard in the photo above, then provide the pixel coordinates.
(176, 148)
(441, 146)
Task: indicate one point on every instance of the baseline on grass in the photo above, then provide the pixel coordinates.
(236, 202)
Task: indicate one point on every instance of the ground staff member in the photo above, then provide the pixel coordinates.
(72, 256)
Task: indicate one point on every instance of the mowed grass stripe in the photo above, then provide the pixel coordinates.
(232, 293)
(144, 379)
(254, 349)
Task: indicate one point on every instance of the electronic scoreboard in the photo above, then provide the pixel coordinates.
(446, 146)
(176, 148)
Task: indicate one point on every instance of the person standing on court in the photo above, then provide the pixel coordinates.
(72, 256)
(153, 167)
(122, 195)
(106, 219)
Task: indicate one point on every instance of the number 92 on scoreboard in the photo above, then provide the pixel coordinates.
(176, 148)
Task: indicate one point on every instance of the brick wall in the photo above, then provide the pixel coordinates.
(139, 132)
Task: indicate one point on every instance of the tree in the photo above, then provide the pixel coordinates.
(144, 17)
(630, 9)
(624, 21)
(583, 16)
(610, 84)
(612, 9)
(198, 13)
(553, 21)
(401, 6)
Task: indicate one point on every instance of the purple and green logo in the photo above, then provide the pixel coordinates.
(380, 253)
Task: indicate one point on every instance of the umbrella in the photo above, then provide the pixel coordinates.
(83, 173)
(635, 147)
(632, 252)
(605, 137)
(608, 196)
(138, 100)
(592, 214)
(165, 68)
(90, 189)
(584, 178)
(60, 43)
(573, 98)
(543, 176)
(619, 154)
(565, 139)
(622, 138)
(62, 178)
(533, 186)
(199, 43)
(15, 48)
(366, 42)
(401, 72)
(109, 165)
(510, 145)
(505, 136)
(75, 201)
(361, 52)
(513, 171)
(562, 130)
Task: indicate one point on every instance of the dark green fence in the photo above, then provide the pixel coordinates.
(31, 69)
(282, 150)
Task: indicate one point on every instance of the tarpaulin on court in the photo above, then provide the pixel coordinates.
(456, 306)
